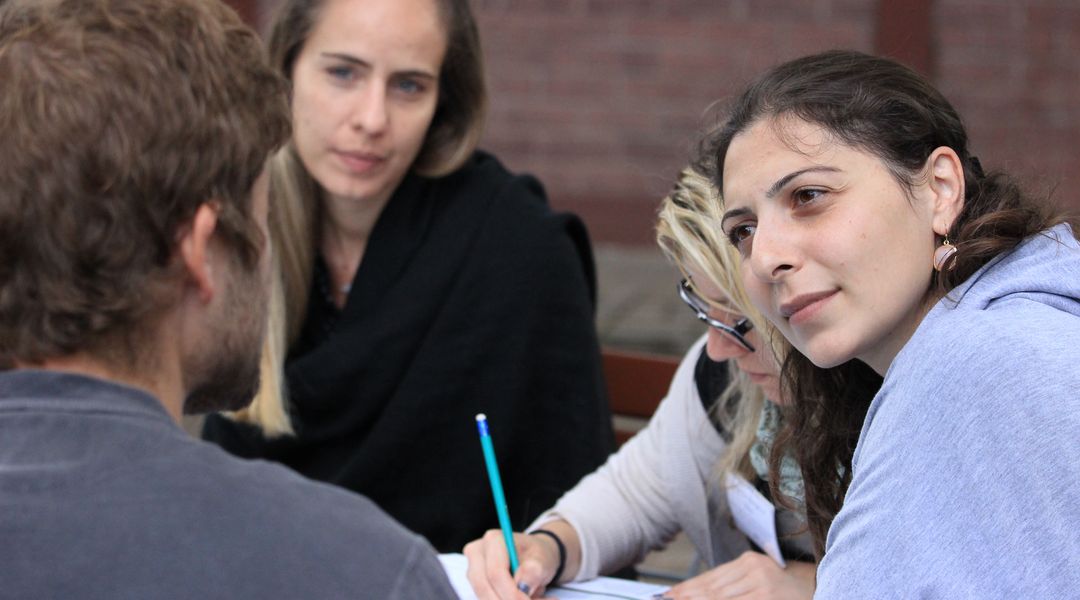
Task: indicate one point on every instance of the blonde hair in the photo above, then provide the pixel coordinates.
(268, 409)
(688, 231)
(296, 197)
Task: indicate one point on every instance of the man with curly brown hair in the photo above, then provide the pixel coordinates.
(134, 269)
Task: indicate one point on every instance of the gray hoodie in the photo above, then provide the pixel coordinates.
(966, 477)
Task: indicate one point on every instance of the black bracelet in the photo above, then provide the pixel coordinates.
(562, 552)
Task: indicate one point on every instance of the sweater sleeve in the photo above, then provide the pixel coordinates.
(624, 509)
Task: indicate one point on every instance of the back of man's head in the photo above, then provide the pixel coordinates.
(120, 118)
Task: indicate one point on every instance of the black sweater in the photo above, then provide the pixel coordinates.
(472, 297)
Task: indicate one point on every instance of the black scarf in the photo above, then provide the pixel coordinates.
(472, 297)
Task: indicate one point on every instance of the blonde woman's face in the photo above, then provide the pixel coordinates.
(760, 365)
(365, 89)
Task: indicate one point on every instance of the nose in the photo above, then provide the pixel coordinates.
(720, 347)
(772, 254)
(370, 113)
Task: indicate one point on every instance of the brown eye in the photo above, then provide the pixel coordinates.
(806, 196)
(740, 234)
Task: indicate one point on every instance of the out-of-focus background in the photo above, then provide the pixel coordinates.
(602, 100)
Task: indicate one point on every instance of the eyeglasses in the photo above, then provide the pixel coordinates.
(701, 308)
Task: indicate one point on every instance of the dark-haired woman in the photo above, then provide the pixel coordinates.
(870, 234)
(422, 282)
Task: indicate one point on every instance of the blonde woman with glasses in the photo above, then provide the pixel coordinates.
(681, 472)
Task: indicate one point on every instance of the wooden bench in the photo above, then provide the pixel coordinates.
(636, 383)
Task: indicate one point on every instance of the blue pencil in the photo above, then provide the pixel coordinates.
(497, 490)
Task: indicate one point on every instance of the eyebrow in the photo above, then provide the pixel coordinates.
(345, 57)
(786, 179)
(735, 212)
(776, 187)
(363, 63)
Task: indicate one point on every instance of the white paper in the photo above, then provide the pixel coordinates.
(754, 515)
(607, 587)
(601, 587)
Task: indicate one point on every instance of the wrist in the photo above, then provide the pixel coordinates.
(560, 548)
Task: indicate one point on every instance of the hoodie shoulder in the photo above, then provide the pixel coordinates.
(1043, 268)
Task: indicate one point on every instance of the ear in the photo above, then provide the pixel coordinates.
(946, 186)
(194, 246)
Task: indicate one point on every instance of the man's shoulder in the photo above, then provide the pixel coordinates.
(324, 540)
(171, 513)
(261, 490)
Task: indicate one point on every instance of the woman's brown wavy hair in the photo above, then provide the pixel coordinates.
(884, 108)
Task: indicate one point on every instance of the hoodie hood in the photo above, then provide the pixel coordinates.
(1044, 268)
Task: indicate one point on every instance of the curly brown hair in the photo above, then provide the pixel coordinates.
(121, 118)
(884, 108)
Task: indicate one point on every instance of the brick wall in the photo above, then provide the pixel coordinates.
(1012, 69)
(602, 98)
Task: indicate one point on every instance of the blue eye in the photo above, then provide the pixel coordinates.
(341, 73)
(409, 87)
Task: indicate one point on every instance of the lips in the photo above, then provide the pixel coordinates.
(360, 161)
(801, 307)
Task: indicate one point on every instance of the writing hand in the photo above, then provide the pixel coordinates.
(489, 566)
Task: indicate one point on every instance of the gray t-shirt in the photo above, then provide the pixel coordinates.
(103, 496)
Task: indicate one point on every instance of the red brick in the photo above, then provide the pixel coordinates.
(603, 98)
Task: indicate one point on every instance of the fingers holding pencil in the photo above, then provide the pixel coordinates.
(489, 563)
(495, 570)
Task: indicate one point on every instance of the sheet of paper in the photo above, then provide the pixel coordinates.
(754, 515)
(601, 587)
(607, 587)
